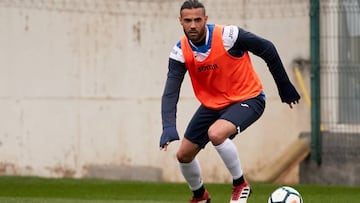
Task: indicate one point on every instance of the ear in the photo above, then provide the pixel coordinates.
(180, 21)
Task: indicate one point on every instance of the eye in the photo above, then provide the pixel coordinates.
(187, 20)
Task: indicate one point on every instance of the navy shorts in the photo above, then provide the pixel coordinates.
(241, 114)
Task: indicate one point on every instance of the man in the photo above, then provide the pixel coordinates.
(228, 88)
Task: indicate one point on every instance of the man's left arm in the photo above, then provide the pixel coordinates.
(266, 50)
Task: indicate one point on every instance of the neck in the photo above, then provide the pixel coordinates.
(201, 42)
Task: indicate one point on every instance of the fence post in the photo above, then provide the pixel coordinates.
(316, 145)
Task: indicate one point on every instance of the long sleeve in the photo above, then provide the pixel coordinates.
(170, 97)
(262, 48)
(247, 41)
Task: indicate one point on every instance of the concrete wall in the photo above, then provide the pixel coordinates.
(81, 83)
(340, 162)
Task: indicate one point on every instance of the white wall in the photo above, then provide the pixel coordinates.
(81, 83)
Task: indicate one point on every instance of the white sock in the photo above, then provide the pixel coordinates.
(192, 174)
(229, 155)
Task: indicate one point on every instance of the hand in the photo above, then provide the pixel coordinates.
(291, 104)
(168, 135)
(288, 93)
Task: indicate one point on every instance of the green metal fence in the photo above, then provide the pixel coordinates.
(335, 77)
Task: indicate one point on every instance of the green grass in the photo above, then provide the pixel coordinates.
(42, 190)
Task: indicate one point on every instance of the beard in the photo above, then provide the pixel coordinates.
(196, 36)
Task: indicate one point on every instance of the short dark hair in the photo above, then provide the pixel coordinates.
(189, 4)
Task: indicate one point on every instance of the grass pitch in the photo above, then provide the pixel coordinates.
(42, 190)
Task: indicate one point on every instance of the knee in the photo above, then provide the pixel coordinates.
(215, 136)
(183, 157)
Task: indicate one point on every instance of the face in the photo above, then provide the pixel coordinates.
(193, 22)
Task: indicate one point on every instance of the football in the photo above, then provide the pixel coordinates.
(285, 194)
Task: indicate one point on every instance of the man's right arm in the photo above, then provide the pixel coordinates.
(171, 93)
(170, 99)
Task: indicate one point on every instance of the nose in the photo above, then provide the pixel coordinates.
(192, 25)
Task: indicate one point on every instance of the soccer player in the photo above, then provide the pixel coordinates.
(228, 88)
